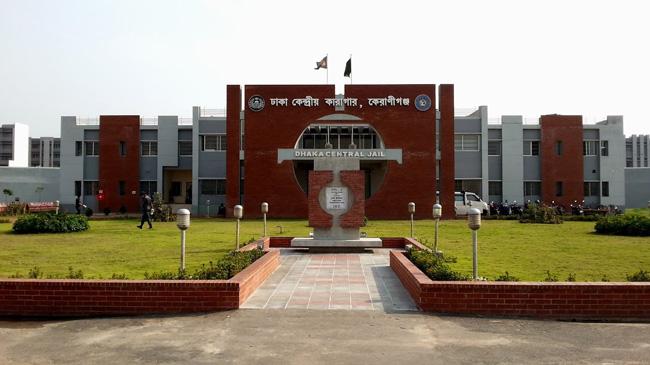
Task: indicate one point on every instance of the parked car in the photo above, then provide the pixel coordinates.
(465, 200)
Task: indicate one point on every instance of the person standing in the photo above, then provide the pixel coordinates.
(77, 204)
(145, 203)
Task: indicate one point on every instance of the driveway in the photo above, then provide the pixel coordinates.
(295, 336)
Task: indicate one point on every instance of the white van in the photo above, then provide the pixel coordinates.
(466, 200)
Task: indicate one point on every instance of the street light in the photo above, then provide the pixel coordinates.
(183, 223)
(437, 213)
(238, 212)
(56, 205)
(474, 223)
(207, 202)
(412, 211)
(265, 209)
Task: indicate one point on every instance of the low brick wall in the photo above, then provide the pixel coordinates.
(78, 298)
(524, 299)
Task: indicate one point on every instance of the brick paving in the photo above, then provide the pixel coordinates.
(360, 281)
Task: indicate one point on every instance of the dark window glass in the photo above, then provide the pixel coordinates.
(78, 150)
(122, 188)
(77, 188)
(122, 148)
(559, 188)
(605, 188)
(558, 148)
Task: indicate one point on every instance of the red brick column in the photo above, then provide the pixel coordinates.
(355, 181)
(233, 110)
(318, 218)
(447, 168)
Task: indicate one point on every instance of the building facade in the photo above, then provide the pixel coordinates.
(45, 152)
(14, 145)
(233, 156)
(636, 150)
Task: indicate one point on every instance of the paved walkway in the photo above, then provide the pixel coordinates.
(362, 281)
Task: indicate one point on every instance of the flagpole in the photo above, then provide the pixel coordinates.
(327, 70)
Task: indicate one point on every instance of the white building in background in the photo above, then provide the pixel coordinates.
(14, 145)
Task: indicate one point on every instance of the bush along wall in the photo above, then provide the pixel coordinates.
(435, 265)
(50, 223)
(224, 269)
(624, 225)
(540, 214)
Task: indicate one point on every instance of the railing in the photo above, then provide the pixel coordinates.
(185, 121)
(463, 112)
(211, 112)
(148, 121)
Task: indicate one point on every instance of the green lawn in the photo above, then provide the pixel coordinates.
(524, 250)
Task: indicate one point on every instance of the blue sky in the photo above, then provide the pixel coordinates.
(154, 58)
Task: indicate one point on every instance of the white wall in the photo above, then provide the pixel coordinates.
(21, 146)
(24, 181)
(612, 167)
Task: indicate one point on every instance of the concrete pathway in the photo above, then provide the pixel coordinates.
(360, 281)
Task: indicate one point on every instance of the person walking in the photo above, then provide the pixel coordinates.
(77, 204)
(145, 203)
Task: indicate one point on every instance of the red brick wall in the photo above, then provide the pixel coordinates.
(355, 180)
(318, 218)
(113, 167)
(568, 167)
(20, 297)
(233, 110)
(539, 300)
(280, 127)
(447, 168)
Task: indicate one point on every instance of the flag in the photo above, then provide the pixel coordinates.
(322, 63)
(348, 68)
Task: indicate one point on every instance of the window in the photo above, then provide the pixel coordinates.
(78, 148)
(559, 188)
(176, 188)
(213, 187)
(213, 142)
(77, 188)
(467, 142)
(604, 148)
(91, 188)
(559, 148)
(149, 186)
(473, 186)
(122, 188)
(459, 198)
(590, 148)
(605, 188)
(532, 188)
(185, 148)
(592, 188)
(149, 148)
(531, 148)
(494, 148)
(92, 148)
(628, 154)
(495, 188)
(122, 148)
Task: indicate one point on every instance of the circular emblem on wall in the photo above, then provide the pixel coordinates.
(256, 103)
(422, 102)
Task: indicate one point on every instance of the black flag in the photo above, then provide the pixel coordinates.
(322, 63)
(348, 68)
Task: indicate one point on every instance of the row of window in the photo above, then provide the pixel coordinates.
(534, 188)
(91, 188)
(150, 148)
(531, 148)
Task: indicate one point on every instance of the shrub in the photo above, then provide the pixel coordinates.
(224, 269)
(123, 210)
(640, 275)
(571, 277)
(5, 220)
(35, 273)
(107, 211)
(89, 212)
(624, 225)
(435, 265)
(540, 214)
(550, 277)
(506, 277)
(50, 223)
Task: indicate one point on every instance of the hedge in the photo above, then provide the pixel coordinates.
(50, 223)
(624, 225)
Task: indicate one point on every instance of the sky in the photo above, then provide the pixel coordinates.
(86, 58)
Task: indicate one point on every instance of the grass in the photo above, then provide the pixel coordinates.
(526, 251)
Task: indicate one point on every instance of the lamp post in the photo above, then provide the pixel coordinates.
(238, 212)
(183, 223)
(207, 202)
(437, 213)
(474, 223)
(412, 211)
(56, 206)
(265, 210)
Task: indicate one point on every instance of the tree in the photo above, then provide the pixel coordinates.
(7, 193)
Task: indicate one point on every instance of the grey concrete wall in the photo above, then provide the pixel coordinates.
(90, 134)
(72, 167)
(149, 134)
(494, 133)
(513, 164)
(167, 147)
(468, 124)
(91, 168)
(532, 168)
(637, 187)
(531, 133)
(24, 181)
(612, 167)
(148, 168)
(483, 112)
(212, 125)
(467, 165)
(494, 169)
(208, 164)
(590, 134)
(591, 167)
